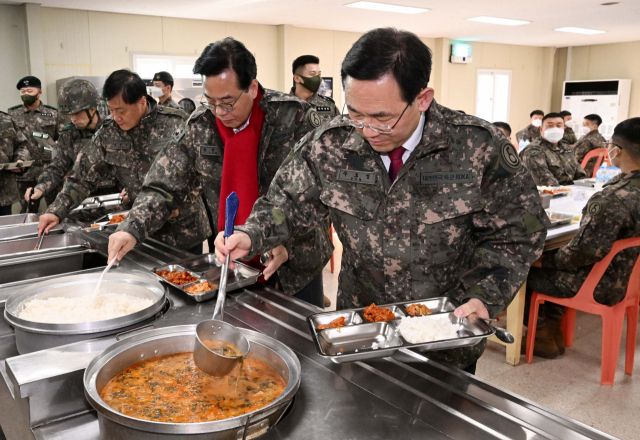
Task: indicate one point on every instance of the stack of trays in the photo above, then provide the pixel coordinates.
(207, 268)
(361, 340)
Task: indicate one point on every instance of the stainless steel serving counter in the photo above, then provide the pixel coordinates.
(42, 397)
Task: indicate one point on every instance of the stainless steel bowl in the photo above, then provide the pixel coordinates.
(148, 344)
(34, 336)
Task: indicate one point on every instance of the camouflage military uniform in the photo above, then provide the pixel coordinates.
(551, 166)
(171, 103)
(44, 119)
(192, 164)
(569, 136)
(610, 215)
(530, 133)
(69, 144)
(463, 218)
(13, 146)
(587, 143)
(324, 105)
(128, 155)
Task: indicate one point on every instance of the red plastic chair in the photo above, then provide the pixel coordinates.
(601, 153)
(612, 316)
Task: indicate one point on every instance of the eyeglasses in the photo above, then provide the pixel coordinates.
(611, 144)
(227, 107)
(378, 128)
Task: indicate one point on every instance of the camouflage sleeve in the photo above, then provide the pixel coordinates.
(535, 161)
(510, 232)
(602, 220)
(20, 146)
(89, 170)
(60, 166)
(581, 149)
(306, 119)
(291, 207)
(170, 181)
(59, 126)
(571, 138)
(580, 172)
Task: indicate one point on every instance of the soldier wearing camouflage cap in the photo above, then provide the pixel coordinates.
(235, 141)
(14, 147)
(125, 147)
(78, 99)
(163, 81)
(610, 215)
(32, 116)
(426, 201)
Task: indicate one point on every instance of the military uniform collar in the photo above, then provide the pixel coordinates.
(39, 108)
(558, 148)
(631, 175)
(593, 133)
(153, 112)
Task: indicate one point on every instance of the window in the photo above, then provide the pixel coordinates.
(178, 66)
(493, 95)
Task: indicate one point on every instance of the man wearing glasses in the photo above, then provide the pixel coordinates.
(610, 215)
(235, 141)
(124, 147)
(426, 201)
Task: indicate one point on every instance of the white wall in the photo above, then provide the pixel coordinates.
(13, 54)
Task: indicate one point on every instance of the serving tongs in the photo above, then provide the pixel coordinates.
(206, 359)
(500, 333)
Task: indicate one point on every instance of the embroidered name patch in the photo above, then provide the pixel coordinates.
(321, 108)
(120, 146)
(368, 178)
(446, 177)
(209, 150)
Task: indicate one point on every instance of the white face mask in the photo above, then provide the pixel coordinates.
(553, 135)
(537, 122)
(585, 130)
(156, 92)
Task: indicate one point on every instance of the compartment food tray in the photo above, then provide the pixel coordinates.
(559, 218)
(361, 340)
(207, 268)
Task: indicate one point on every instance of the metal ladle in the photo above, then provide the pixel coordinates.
(206, 359)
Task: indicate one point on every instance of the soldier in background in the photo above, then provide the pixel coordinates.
(569, 135)
(78, 99)
(307, 78)
(34, 116)
(505, 128)
(551, 161)
(426, 201)
(125, 147)
(164, 82)
(235, 141)
(14, 147)
(610, 215)
(591, 140)
(532, 131)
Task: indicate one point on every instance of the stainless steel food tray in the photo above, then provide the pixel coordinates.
(206, 267)
(559, 218)
(360, 340)
(26, 230)
(103, 222)
(9, 221)
(51, 243)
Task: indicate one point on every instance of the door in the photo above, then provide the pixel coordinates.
(493, 95)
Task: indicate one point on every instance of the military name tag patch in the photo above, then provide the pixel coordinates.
(209, 150)
(322, 108)
(48, 115)
(120, 146)
(368, 178)
(446, 177)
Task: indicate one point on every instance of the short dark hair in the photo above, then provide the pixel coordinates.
(125, 83)
(551, 115)
(228, 54)
(565, 113)
(303, 61)
(594, 118)
(388, 50)
(506, 127)
(629, 130)
(536, 112)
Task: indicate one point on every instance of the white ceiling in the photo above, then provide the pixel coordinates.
(446, 18)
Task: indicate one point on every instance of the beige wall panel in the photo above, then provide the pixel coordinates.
(305, 41)
(580, 62)
(462, 81)
(560, 74)
(342, 43)
(13, 47)
(495, 56)
(184, 36)
(114, 36)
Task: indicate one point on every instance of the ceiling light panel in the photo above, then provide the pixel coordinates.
(501, 21)
(385, 7)
(577, 30)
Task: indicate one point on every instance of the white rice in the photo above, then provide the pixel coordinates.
(65, 310)
(419, 329)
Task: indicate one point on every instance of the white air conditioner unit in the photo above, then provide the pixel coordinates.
(608, 98)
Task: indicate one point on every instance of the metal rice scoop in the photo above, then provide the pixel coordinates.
(214, 363)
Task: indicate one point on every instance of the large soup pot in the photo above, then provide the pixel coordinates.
(169, 340)
(35, 336)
